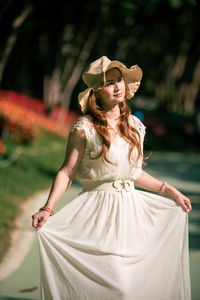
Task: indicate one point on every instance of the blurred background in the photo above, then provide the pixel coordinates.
(44, 48)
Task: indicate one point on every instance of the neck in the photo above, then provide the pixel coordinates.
(113, 113)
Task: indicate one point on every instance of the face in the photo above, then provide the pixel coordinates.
(114, 90)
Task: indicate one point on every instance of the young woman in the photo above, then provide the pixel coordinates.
(112, 241)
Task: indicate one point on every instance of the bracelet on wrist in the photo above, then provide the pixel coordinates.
(162, 189)
(45, 208)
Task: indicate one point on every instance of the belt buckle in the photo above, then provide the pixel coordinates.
(119, 185)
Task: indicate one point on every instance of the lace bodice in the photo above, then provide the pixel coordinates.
(99, 170)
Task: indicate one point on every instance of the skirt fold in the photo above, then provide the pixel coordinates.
(116, 245)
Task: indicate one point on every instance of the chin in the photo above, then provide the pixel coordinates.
(121, 100)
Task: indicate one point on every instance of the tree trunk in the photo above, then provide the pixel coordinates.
(17, 23)
(74, 78)
(52, 89)
(192, 90)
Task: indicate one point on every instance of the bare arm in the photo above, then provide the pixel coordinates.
(74, 152)
(148, 182)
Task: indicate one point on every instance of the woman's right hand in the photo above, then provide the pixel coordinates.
(177, 196)
(40, 218)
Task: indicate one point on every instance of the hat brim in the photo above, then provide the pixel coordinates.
(83, 99)
(132, 77)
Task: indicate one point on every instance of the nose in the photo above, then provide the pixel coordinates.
(116, 86)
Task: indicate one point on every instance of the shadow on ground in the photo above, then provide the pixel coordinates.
(185, 166)
(182, 169)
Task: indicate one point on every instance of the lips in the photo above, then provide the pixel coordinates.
(118, 95)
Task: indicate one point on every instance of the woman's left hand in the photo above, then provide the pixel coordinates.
(181, 199)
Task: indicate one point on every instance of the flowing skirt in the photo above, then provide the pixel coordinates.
(109, 245)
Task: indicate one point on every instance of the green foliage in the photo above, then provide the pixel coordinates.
(179, 3)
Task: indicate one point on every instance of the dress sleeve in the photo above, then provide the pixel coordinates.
(81, 124)
(138, 125)
(84, 125)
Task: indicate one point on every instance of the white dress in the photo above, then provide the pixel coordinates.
(114, 242)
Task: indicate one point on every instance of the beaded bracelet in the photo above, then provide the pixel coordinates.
(162, 189)
(47, 209)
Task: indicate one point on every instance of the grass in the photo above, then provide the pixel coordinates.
(34, 170)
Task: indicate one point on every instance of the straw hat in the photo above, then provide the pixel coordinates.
(94, 77)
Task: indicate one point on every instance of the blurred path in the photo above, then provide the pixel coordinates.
(181, 170)
(22, 235)
(19, 272)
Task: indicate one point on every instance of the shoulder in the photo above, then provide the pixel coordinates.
(82, 123)
(83, 127)
(137, 124)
